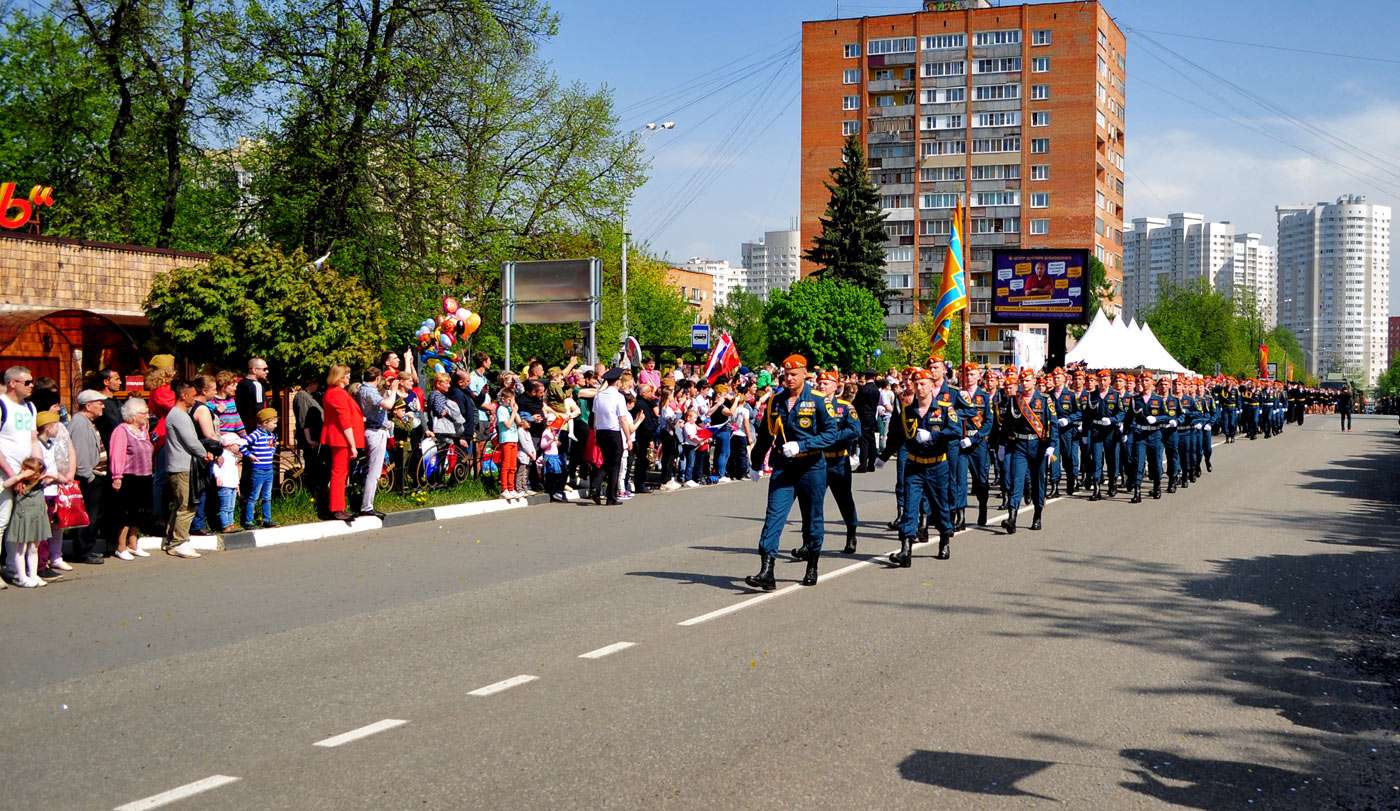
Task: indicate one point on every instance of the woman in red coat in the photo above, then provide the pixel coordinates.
(342, 435)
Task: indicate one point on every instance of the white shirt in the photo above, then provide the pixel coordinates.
(17, 433)
(609, 410)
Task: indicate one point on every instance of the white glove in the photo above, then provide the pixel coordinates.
(967, 442)
(1063, 422)
(855, 460)
(791, 449)
(1151, 420)
(1105, 421)
(1049, 453)
(1171, 423)
(1205, 428)
(879, 462)
(922, 435)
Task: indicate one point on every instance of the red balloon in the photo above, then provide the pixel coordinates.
(449, 325)
(449, 305)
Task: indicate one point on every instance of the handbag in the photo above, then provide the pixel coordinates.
(69, 509)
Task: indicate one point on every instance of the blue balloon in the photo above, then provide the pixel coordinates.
(879, 352)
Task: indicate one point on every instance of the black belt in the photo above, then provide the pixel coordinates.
(1025, 436)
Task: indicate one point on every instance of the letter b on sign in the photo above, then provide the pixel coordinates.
(13, 213)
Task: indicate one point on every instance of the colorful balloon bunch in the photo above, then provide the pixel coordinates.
(441, 339)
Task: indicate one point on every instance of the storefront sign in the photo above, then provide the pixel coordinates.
(16, 213)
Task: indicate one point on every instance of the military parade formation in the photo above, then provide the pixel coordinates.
(1028, 435)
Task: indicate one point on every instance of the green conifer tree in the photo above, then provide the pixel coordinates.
(851, 245)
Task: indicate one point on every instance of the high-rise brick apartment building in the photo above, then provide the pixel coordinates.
(1020, 107)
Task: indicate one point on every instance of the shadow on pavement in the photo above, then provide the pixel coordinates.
(1216, 783)
(974, 774)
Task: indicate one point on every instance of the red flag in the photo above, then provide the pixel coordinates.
(723, 360)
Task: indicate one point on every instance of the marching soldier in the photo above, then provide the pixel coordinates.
(929, 426)
(1147, 416)
(1010, 383)
(1249, 409)
(975, 409)
(1229, 400)
(799, 425)
(1209, 413)
(1067, 417)
(1099, 427)
(894, 446)
(1118, 450)
(838, 457)
(1032, 434)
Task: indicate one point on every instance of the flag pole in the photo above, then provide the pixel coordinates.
(967, 280)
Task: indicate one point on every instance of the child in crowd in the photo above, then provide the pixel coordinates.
(508, 425)
(228, 472)
(262, 450)
(29, 522)
(551, 465)
(689, 432)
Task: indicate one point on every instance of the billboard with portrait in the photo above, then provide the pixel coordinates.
(1040, 285)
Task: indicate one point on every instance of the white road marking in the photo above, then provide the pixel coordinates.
(606, 650)
(176, 794)
(362, 732)
(501, 686)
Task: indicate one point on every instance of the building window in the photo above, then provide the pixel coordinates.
(1041, 37)
(897, 45)
(1040, 119)
(1040, 227)
(996, 198)
(928, 148)
(850, 127)
(994, 92)
(899, 254)
(1010, 36)
(1040, 171)
(1001, 171)
(897, 201)
(1040, 199)
(1041, 64)
(1010, 64)
(850, 102)
(934, 228)
(1040, 146)
(945, 42)
(941, 173)
(941, 122)
(938, 200)
(850, 76)
(932, 69)
(1008, 144)
(1007, 119)
(852, 50)
(1040, 92)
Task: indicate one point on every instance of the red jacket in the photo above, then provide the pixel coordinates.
(341, 412)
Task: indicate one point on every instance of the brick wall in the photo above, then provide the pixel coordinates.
(55, 273)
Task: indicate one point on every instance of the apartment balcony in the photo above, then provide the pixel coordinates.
(885, 60)
(979, 292)
(900, 137)
(988, 347)
(898, 214)
(890, 85)
(892, 163)
(978, 319)
(896, 111)
(897, 188)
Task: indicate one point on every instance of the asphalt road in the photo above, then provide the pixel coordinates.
(1199, 651)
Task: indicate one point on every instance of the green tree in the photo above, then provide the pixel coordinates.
(742, 317)
(915, 340)
(829, 322)
(851, 244)
(1198, 327)
(259, 302)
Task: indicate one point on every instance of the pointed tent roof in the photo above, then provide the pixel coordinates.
(1090, 345)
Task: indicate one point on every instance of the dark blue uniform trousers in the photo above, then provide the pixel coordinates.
(804, 479)
(1026, 457)
(926, 490)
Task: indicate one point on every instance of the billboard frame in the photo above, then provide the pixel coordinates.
(587, 302)
(1082, 318)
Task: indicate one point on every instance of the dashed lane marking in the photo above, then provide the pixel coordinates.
(362, 732)
(177, 794)
(502, 686)
(607, 650)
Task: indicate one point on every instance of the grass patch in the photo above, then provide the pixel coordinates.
(300, 509)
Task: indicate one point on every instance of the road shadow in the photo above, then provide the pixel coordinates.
(974, 774)
(731, 584)
(1217, 783)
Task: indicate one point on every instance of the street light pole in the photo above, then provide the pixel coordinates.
(652, 127)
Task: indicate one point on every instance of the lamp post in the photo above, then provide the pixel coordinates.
(650, 129)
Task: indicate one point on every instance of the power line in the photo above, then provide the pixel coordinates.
(710, 82)
(1289, 49)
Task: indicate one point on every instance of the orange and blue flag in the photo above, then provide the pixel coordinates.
(952, 294)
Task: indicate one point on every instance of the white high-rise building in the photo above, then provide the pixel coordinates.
(1255, 269)
(1334, 284)
(1187, 246)
(727, 277)
(772, 263)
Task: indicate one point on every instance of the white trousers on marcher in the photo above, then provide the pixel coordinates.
(375, 443)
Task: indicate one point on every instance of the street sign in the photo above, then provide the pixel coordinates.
(700, 337)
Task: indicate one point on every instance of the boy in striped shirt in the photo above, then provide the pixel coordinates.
(262, 451)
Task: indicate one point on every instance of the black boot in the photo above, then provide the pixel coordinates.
(1112, 486)
(801, 552)
(1171, 485)
(1055, 489)
(923, 533)
(904, 558)
(1156, 488)
(1009, 523)
(1073, 485)
(982, 512)
(1035, 518)
(810, 578)
(1209, 469)
(850, 541)
(1096, 495)
(960, 520)
(893, 526)
(944, 541)
(1137, 496)
(1185, 481)
(764, 579)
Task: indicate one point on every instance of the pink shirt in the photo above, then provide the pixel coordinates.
(130, 452)
(651, 376)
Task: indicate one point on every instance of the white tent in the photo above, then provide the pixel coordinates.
(1162, 360)
(1091, 343)
(1121, 345)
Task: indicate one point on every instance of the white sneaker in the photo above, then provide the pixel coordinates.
(61, 565)
(124, 555)
(140, 553)
(691, 483)
(671, 485)
(184, 550)
(35, 582)
(723, 480)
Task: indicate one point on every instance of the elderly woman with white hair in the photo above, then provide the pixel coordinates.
(130, 461)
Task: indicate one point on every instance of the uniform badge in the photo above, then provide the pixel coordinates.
(804, 422)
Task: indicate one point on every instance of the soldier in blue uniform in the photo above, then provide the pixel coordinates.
(1031, 430)
(1249, 407)
(838, 457)
(1147, 416)
(894, 447)
(1228, 398)
(1001, 401)
(1116, 447)
(1081, 430)
(929, 428)
(975, 409)
(1067, 418)
(1209, 413)
(1186, 433)
(798, 426)
(947, 397)
(1099, 430)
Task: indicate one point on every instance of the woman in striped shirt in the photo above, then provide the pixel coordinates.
(225, 408)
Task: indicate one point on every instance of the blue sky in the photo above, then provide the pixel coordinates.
(1233, 167)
